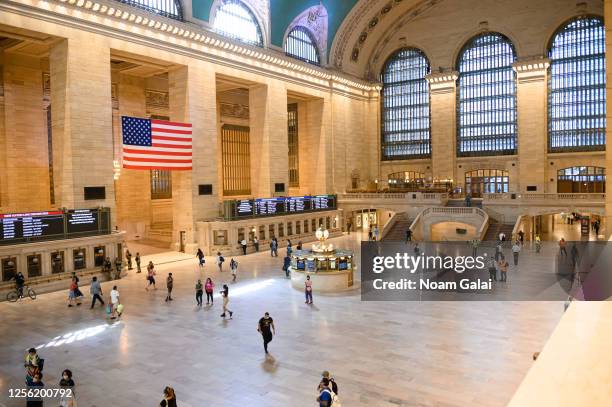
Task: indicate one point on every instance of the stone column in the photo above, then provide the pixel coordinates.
(268, 138)
(315, 153)
(26, 175)
(443, 124)
(133, 186)
(531, 99)
(608, 224)
(81, 112)
(192, 94)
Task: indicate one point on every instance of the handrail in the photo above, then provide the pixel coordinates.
(390, 223)
(532, 196)
(454, 211)
(517, 226)
(394, 195)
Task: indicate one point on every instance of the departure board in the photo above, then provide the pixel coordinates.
(82, 221)
(269, 206)
(244, 208)
(323, 202)
(19, 226)
(297, 204)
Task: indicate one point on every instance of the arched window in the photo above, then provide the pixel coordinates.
(301, 44)
(486, 181)
(235, 20)
(486, 97)
(166, 8)
(581, 180)
(577, 87)
(405, 106)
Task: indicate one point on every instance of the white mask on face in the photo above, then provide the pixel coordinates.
(65, 377)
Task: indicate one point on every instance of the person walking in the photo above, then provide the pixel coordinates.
(256, 243)
(96, 292)
(128, 256)
(562, 245)
(499, 250)
(208, 287)
(332, 382)
(516, 249)
(225, 295)
(220, 260)
(118, 266)
(266, 328)
(201, 259)
(376, 233)
(169, 285)
(169, 398)
(114, 302)
(234, 269)
(538, 243)
(492, 270)
(408, 235)
(274, 247)
(243, 243)
(34, 399)
(67, 383)
(299, 245)
(150, 276)
(349, 226)
(521, 235)
(73, 293)
(137, 258)
(325, 394)
(308, 290)
(33, 364)
(286, 265)
(199, 292)
(502, 264)
(370, 234)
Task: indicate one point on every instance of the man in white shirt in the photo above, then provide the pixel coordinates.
(114, 295)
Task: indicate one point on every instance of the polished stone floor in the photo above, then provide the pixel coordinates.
(381, 353)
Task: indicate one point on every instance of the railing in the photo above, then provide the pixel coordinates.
(500, 217)
(517, 227)
(439, 196)
(389, 225)
(454, 211)
(544, 197)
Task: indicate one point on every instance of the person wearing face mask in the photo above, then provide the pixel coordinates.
(35, 400)
(66, 382)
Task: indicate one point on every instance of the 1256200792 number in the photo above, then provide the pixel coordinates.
(40, 393)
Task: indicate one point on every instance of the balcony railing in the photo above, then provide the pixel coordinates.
(544, 197)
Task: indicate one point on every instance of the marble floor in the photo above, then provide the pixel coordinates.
(381, 353)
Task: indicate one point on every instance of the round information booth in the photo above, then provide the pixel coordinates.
(330, 269)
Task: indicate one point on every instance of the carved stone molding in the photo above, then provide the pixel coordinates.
(156, 100)
(46, 85)
(442, 82)
(531, 70)
(114, 97)
(234, 110)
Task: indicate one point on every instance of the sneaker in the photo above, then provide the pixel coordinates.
(222, 315)
(231, 313)
(70, 305)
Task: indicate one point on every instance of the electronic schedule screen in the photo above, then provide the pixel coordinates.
(282, 205)
(19, 226)
(82, 221)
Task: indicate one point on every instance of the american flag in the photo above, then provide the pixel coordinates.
(150, 144)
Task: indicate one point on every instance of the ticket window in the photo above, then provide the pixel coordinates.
(262, 232)
(313, 225)
(34, 265)
(79, 257)
(327, 223)
(306, 226)
(57, 262)
(9, 268)
(99, 256)
(271, 231)
(220, 237)
(240, 234)
(252, 233)
(289, 228)
(281, 230)
(298, 227)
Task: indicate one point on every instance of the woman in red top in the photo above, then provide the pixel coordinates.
(73, 294)
(208, 287)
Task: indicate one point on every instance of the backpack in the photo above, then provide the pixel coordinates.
(335, 400)
(221, 259)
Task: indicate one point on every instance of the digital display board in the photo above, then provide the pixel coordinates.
(82, 221)
(244, 207)
(269, 206)
(280, 205)
(16, 226)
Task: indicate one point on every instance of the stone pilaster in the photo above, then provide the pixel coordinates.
(268, 138)
(192, 93)
(531, 91)
(81, 111)
(443, 124)
(608, 224)
(25, 139)
(315, 156)
(133, 186)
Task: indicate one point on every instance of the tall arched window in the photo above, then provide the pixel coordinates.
(486, 97)
(235, 20)
(405, 106)
(301, 44)
(577, 87)
(166, 8)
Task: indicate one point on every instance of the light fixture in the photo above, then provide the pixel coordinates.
(35, 260)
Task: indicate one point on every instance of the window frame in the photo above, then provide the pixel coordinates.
(140, 4)
(583, 132)
(312, 43)
(496, 139)
(423, 147)
(259, 42)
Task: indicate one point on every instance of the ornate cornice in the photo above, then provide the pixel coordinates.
(442, 82)
(186, 39)
(532, 69)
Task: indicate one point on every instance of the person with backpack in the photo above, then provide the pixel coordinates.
(169, 398)
(234, 269)
(200, 256)
(208, 287)
(327, 397)
(169, 286)
(332, 382)
(266, 328)
(199, 292)
(220, 261)
(286, 265)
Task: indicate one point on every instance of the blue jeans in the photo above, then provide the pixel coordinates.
(308, 295)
